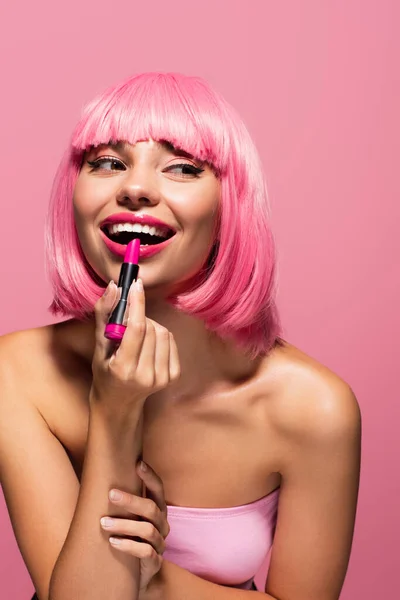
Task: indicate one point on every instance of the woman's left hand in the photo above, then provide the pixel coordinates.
(152, 530)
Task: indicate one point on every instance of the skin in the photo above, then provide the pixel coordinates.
(281, 420)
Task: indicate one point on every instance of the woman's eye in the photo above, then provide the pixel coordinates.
(187, 169)
(183, 169)
(100, 162)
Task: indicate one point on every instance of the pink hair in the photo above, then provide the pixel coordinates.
(234, 293)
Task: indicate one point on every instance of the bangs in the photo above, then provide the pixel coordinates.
(162, 107)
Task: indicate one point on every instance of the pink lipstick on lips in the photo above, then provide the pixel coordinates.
(129, 271)
(155, 243)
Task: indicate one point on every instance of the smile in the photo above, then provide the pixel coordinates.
(119, 229)
(123, 233)
(118, 248)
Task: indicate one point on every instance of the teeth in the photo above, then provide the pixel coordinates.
(136, 228)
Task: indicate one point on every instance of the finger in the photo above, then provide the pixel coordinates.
(103, 306)
(174, 363)
(141, 507)
(139, 529)
(159, 363)
(155, 491)
(141, 550)
(154, 485)
(145, 371)
(102, 310)
(135, 332)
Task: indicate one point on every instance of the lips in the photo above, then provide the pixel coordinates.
(142, 219)
(144, 252)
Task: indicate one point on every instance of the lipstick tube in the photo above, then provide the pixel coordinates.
(129, 271)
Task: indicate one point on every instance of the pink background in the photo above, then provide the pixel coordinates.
(318, 84)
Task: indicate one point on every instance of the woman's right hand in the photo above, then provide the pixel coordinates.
(144, 362)
(150, 531)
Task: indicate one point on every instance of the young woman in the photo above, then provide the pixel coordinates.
(248, 440)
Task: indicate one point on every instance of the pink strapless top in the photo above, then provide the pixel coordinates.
(223, 545)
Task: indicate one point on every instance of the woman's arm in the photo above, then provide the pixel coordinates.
(174, 583)
(56, 521)
(88, 567)
(321, 429)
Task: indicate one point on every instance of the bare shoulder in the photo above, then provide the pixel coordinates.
(23, 355)
(35, 367)
(311, 401)
(25, 362)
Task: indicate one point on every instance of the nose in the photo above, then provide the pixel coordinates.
(138, 188)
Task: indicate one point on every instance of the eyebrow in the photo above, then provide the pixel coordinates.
(122, 145)
(175, 150)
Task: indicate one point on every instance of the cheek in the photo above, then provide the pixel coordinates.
(87, 202)
(85, 199)
(197, 213)
(197, 209)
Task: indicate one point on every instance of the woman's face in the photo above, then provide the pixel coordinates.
(147, 179)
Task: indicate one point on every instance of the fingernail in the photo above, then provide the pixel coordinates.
(114, 540)
(115, 495)
(139, 285)
(108, 288)
(106, 522)
(143, 466)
